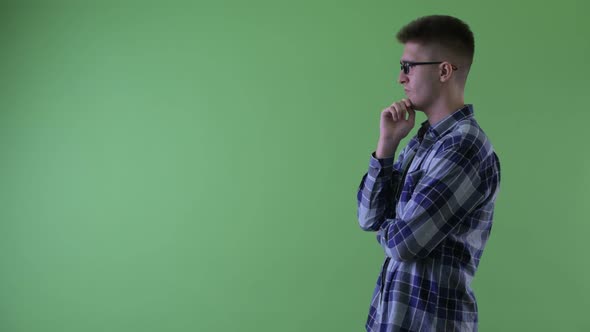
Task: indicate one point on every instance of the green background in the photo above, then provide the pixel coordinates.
(194, 166)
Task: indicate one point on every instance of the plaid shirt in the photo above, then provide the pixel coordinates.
(434, 235)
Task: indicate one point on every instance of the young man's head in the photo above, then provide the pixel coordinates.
(431, 39)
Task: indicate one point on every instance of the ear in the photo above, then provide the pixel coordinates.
(445, 71)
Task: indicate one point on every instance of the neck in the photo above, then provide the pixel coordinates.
(442, 108)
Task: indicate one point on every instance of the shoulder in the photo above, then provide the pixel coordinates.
(465, 134)
(468, 141)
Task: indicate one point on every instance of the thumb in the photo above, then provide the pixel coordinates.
(411, 115)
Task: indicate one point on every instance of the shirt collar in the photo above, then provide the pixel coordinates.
(446, 123)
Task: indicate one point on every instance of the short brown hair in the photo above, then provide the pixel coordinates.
(445, 31)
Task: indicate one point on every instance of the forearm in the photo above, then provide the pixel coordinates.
(374, 198)
(386, 147)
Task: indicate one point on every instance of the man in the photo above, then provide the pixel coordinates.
(432, 209)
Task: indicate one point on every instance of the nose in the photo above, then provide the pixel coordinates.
(402, 78)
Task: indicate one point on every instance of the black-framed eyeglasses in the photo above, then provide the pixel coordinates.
(406, 65)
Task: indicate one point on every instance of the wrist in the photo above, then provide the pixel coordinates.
(386, 148)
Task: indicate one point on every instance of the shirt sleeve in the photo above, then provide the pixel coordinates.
(374, 193)
(445, 193)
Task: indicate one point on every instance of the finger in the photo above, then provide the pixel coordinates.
(408, 103)
(407, 107)
(396, 110)
(393, 114)
(402, 110)
(412, 115)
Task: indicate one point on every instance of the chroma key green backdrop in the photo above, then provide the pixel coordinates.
(193, 166)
